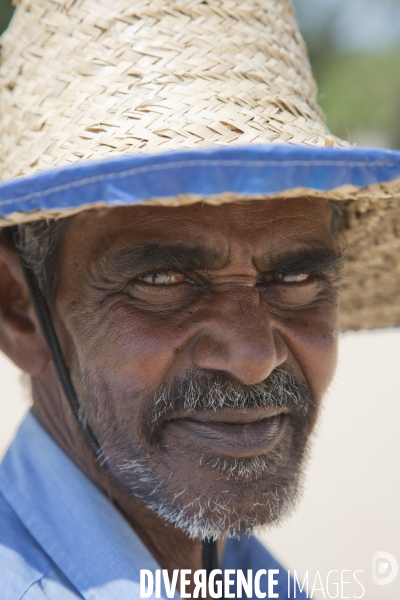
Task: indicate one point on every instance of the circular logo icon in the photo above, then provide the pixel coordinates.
(384, 568)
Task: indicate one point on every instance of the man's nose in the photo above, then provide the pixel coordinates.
(237, 338)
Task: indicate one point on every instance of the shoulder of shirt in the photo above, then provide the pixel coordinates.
(26, 572)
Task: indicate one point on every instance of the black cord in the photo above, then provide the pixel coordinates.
(210, 555)
(49, 334)
(210, 559)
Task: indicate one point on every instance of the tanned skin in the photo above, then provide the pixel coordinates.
(120, 327)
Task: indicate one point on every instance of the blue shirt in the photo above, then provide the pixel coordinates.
(61, 538)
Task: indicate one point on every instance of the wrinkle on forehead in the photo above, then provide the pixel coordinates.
(240, 229)
(240, 213)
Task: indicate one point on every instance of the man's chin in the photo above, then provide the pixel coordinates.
(225, 497)
(236, 512)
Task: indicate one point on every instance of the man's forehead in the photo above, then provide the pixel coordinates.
(203, 237)
(246, 223)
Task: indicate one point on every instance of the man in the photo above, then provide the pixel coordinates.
(179, 348)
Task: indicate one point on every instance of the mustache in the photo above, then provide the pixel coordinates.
(213, 390)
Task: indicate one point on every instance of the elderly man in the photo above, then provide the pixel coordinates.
(181, 333)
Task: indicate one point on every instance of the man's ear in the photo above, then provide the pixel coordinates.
(20, 335)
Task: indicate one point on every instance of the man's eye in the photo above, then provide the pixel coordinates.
(162, 278)
(288, 277)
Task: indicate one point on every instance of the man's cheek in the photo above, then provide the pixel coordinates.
(313, 348)
(319, 366)
(130, 355)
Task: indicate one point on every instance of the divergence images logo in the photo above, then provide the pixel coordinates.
(384, 568)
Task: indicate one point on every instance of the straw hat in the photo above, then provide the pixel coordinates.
(96, 79)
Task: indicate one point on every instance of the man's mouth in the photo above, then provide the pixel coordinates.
(233, 432)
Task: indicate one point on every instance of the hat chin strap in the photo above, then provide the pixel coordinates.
(53, 345)
(209, 553)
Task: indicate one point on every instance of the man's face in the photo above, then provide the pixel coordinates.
(200, 341)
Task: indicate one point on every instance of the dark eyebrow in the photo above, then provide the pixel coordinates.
(184, 258)
(312, 260)
(171, 257)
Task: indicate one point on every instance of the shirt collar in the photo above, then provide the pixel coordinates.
(74, 523)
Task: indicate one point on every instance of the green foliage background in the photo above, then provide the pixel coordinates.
(361, 97)
(5, 13)
(359, 92)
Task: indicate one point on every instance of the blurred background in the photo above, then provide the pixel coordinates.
(354, 50)
(350, 508)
